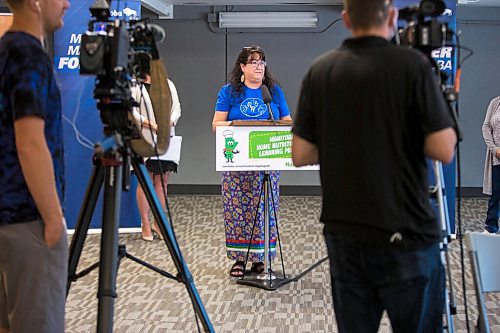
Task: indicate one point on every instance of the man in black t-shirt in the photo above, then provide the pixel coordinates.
(33, 240)
(370, 113)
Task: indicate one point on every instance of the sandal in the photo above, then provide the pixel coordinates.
(144, 232)
(154, 229)
(257, 267)
(238, 269)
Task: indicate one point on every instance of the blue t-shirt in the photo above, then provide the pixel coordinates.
(27, 88)
(250, 105)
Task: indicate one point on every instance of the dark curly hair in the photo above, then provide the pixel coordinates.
(247, 54)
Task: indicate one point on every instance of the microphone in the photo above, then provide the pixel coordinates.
(142, 28)
(157, 31)
(266, 96)
(408, 13)
(427, 8)
(432, 7)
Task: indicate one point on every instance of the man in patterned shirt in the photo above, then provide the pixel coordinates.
(33, 241)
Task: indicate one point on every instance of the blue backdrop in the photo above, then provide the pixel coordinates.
(82, 124)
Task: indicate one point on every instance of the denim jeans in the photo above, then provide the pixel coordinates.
(493, 203)
(409, 285)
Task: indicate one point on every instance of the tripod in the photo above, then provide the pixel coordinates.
(111, 170)
(438, 193)
(267, 279)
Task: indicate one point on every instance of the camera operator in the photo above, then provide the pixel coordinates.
(370, 113)
(33, 242)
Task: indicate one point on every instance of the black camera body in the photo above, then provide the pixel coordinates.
(424, 31)
(113, 49)
(119, 54)
(105, 52)
(111, 54)
(109, 47)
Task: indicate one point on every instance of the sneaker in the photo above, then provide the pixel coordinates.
(486, 232)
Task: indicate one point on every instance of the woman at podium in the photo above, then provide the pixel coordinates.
(242, 99)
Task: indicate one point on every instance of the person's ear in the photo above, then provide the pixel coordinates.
(346, 19)
(36, 6)
(393, 18)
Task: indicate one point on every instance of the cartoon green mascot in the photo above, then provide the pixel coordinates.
(230, 145)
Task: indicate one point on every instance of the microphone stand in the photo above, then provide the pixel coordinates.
(267, 279)
(271, 115)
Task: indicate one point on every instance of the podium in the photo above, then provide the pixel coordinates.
(286, 122)
(259, 146)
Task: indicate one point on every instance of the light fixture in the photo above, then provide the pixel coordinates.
(268, 19)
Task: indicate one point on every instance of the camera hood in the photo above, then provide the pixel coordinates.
(426, 8)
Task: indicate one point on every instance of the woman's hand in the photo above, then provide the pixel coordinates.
(497, 153)
(220, 119)
(150, 124)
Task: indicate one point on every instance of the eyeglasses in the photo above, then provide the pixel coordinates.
(257, 63)
(254, 48)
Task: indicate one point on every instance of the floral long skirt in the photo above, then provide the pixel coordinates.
(243, 208)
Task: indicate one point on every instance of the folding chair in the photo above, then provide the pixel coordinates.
(483, 250)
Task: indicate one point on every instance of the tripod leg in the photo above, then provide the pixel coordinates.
(109, 248)
(444, 218)
(273, 202)
(84, 217)
(268, 280)
(253, 227)
(172, 245)
(267, 229)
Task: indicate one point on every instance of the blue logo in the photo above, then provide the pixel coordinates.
(253, 107)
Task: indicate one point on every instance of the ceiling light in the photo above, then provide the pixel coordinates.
(268, 20)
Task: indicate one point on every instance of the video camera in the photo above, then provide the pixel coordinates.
(114, 51)
(109, 47)
(424, 31)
